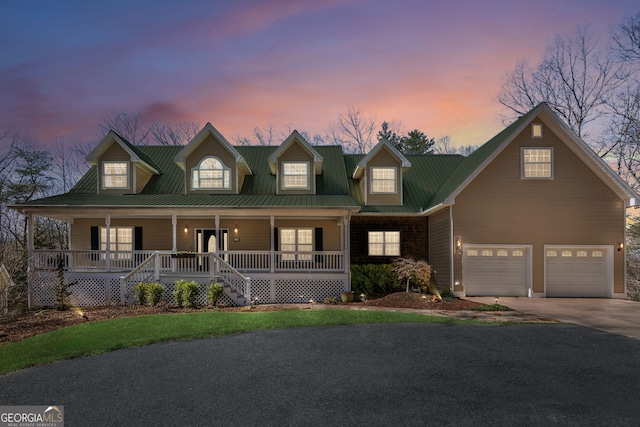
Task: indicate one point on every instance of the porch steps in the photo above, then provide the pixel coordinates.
(232, 293)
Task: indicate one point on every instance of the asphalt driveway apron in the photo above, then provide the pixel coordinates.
(400, 374)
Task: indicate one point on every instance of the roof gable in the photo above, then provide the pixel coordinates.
(473, 165)
(295, 137)
(207, 130)
(383, 144)
(137, 156)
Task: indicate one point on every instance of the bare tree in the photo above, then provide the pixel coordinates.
(127, 124)
(575, 78)
(260, 136)
(627, 40)
(173, 133)
(354, 130)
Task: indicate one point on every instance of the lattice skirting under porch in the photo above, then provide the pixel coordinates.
(97, 289)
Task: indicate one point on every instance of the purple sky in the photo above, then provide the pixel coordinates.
(433, 65)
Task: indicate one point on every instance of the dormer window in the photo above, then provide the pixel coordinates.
(384, 180)
(115, 175)
(210, 173)
(295, 175)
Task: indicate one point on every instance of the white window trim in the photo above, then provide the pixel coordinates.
(299, 255)
(384, 243)
(105, 174)
(283, 185)
(535, 126)
(117, 253)
(372, 180)
(534, 178)
(225, 171)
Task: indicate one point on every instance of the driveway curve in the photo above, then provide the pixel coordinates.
(402, 374)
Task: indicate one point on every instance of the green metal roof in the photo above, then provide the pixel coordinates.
(430, 181)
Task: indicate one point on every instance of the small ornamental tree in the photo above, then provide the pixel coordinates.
(407, 269)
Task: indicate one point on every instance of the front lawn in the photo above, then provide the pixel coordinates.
(107, 335)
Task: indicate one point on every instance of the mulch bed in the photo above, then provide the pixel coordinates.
(17, 327)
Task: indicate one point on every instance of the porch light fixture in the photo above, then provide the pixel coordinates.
(235, 230)
(620, 246)
(186, 228)
(458, 242)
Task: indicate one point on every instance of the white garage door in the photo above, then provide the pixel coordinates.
(489, 270)
(578, 271)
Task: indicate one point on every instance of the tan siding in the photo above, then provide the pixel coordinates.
(115, 153)
(156, 233)
(253, 234)
(575, 208)
(384, 158)
(295, 153)
(211, 147)
(440, 247)
(330, 230)
(142, 178)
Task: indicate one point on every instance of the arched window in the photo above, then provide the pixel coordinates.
(210, 173)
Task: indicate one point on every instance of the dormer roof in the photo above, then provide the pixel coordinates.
(360, 168)
(137, 156)
(295, 136)
(206, 131)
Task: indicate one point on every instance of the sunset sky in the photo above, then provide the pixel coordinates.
(433, 65)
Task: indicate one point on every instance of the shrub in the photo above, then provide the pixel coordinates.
(140, 293)
(148, 293)
(214, 292)
(154, 293)
(186, 293)
(373, 279)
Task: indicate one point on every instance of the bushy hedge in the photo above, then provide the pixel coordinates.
(148, 293)
(374, 279)
(186, 293)
(214, 292)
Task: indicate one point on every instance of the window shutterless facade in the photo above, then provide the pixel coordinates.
(384, 180)
(295, 175)
(115, 175)
(384, 243)
(209, 174)
(537, 163)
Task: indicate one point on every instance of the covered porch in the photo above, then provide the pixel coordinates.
(260, 257)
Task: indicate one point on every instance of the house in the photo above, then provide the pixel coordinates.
(533, 212)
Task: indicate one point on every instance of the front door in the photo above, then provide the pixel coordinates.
(206, 241)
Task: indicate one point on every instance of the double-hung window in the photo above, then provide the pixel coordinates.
(120, 241)
(115, 175)
(296, 243)
(537, 163)
(383, 180)
(295, 175)
(211, 173)
(384, 243)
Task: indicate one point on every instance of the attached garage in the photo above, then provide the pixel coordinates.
(578, 271)
(496, 270)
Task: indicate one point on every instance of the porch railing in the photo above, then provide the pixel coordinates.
(192, 263)
(148, 270)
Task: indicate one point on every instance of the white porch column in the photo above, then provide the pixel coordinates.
(217, 234)
(107, 223)
(272, 255)
(347, 243)
(174, 225)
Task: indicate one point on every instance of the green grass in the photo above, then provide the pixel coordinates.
(108, 335)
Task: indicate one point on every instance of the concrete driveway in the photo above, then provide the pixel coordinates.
(611, 315)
